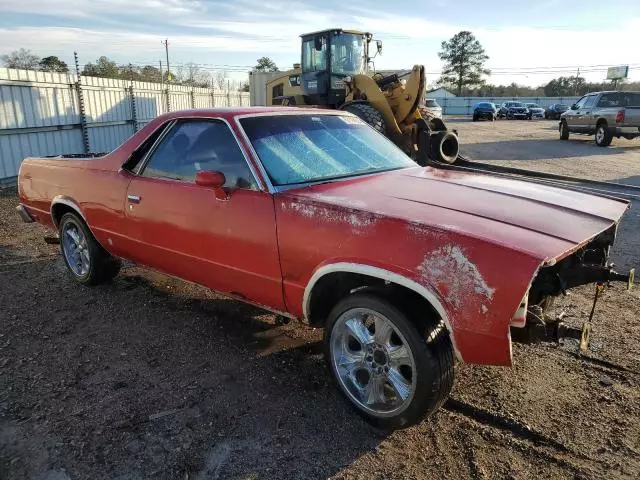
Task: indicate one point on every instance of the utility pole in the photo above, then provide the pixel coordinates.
(575, 89)
(166, 50)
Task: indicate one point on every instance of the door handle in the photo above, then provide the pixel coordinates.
(133, 198)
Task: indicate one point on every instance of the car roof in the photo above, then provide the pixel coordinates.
(230, 113)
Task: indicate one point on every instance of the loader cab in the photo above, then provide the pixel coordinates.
(327, 58)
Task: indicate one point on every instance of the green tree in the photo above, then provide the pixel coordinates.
(265, 64)
(566, 87)
(23, 58)
(464, 60)
(104, 67)
(149, 73)
(53, 64)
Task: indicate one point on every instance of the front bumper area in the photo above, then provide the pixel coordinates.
(24, 214)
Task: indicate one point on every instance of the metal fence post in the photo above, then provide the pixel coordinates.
(193, 98)
(134, 112)
(168, 99)
(213, 98)
(83, 116)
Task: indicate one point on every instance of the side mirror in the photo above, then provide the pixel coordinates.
(379, 45)
(213, 180)
(574, 107)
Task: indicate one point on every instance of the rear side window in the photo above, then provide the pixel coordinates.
(619, 99)
(200, 145)
(134, 160)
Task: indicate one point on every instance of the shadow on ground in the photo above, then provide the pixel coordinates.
(156, 378)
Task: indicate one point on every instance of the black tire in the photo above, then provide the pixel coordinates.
(102, 266)
(564, 130)
(603, 135)
(434, 361)
(475, 119)
(368, 113)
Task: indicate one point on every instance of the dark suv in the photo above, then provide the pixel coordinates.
(514, 110)
(484, 110)
(554, 111)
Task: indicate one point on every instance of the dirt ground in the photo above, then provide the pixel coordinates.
(150, 377)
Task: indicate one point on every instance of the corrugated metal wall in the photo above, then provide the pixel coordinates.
(464, 105)
(40, 112)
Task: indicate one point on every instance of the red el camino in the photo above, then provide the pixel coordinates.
(314, 215)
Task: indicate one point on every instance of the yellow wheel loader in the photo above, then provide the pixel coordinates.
(334, 73)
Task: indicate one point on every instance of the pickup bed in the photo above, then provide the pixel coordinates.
(605, 115)
(314, 215)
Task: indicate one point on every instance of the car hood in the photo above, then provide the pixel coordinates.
(543, 221)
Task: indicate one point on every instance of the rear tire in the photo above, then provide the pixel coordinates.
(368, 113)
(603, 135)
(411, 379)
(564, 131)
(87, 261)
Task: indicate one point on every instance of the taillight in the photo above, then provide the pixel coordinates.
(620, 116)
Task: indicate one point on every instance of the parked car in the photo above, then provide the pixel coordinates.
(554, 111)
(484, 110)
(407, 268)
(433, 107)
(514, 110)
(605, 115)
(535, 110)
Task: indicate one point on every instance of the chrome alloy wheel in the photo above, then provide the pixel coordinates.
(75, 249)
(600, 134)
(373, 362)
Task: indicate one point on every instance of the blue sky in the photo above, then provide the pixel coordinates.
(527, 41)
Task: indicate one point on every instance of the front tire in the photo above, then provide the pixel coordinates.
(603, 135)
(564, 131)
(368, 113)
(88, 262)
(383, 363)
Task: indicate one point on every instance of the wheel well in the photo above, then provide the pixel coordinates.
(600, 122)
(59, 209)
(333, 287)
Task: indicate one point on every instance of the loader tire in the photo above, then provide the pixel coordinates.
(368, 113)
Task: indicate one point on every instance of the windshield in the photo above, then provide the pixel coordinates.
(532, 105)
(347, 54)
(484, 105)
(561, 106)
(309, 148)
(431, 103)
(515, 104)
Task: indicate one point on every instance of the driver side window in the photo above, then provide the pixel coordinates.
(198, 145)
(580, 103)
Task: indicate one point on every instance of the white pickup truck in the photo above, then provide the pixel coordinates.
(605, 115)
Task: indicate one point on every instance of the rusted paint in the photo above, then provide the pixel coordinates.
(457, 277)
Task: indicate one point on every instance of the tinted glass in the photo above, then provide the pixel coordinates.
(347, 54)
(307, 148)
(590, 101)
(515, 104)
(314, 60)
(193, 146)
(484, 105)
(619, 99)
(580, 103)
(562, 106)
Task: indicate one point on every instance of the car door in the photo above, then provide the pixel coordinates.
(588, 122)
(572, 117)
(182, 229)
